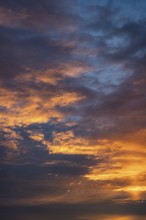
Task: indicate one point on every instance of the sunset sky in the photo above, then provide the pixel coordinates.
(73, 109)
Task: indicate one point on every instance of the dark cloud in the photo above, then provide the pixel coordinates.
(84, 211)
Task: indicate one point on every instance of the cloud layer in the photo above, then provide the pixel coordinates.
(72, 103)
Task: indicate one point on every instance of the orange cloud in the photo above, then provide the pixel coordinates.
(34, 108)
(26, 108)
(117, 160)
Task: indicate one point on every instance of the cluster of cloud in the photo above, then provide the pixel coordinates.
(73, 86)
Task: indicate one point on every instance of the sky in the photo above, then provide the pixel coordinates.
(72, 110)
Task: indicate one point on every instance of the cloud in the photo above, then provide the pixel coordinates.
(72, 103)
(40, 16)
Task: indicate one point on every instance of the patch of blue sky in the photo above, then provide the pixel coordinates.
(134, 10)
(116, 42)
(113, 75)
